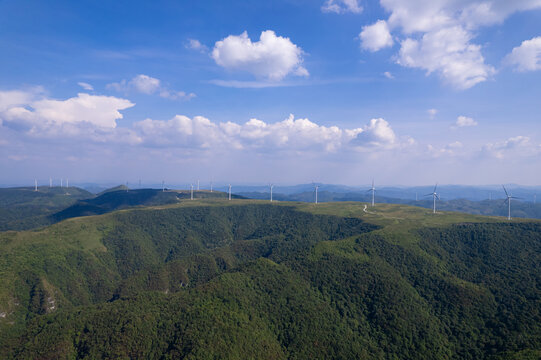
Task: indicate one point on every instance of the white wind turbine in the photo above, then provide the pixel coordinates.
(163, 185)
(271, 186)
(509, 197)
(316, 187)
(373, 189)
(229, 191)
(435, 196)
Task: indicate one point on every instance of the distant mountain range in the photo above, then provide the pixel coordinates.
(447, 192)
(24, 208)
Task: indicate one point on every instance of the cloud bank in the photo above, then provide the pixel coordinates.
(88, 117)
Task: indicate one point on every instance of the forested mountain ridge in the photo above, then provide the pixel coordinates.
(26, 209)
(213, 278)
(23, 208)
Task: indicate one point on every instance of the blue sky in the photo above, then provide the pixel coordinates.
(338, 91)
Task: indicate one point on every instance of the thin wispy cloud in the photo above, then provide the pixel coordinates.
(85, 86)
(148, 85)
(464, 121)
(342, 6)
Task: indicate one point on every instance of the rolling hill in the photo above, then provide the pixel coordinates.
(248, 279)
(26, 209)
(23, 208)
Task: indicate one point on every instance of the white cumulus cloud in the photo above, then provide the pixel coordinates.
(439, 35)
(342, 6)
(94, 118)
(376, 36)
(12, 98)
(255, 134)
(464, 121)
(449, 53)
(377, 134)
(145, 84)
(83, 116)
(101, 111)
(527, 56)
(298, 135)
(272, 57)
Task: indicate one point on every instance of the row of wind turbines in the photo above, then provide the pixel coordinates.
(67, 185)
(436, 196)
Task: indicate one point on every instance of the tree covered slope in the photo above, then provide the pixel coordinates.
(23, 208)
(247, 279)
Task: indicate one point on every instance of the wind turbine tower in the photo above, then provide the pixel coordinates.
(271, 186)
(316, 187)
(435, 196)
(229, 191)
(67, 183)
(50, 182)
(211, 186)
(373, 189)
(191, 192)
(197, 185)
(61, 182)
(163, 185)
(509, 197)
(35, 185)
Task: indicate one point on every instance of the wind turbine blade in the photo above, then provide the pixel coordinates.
(504, 189)
(428, 194)
(435, 187)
